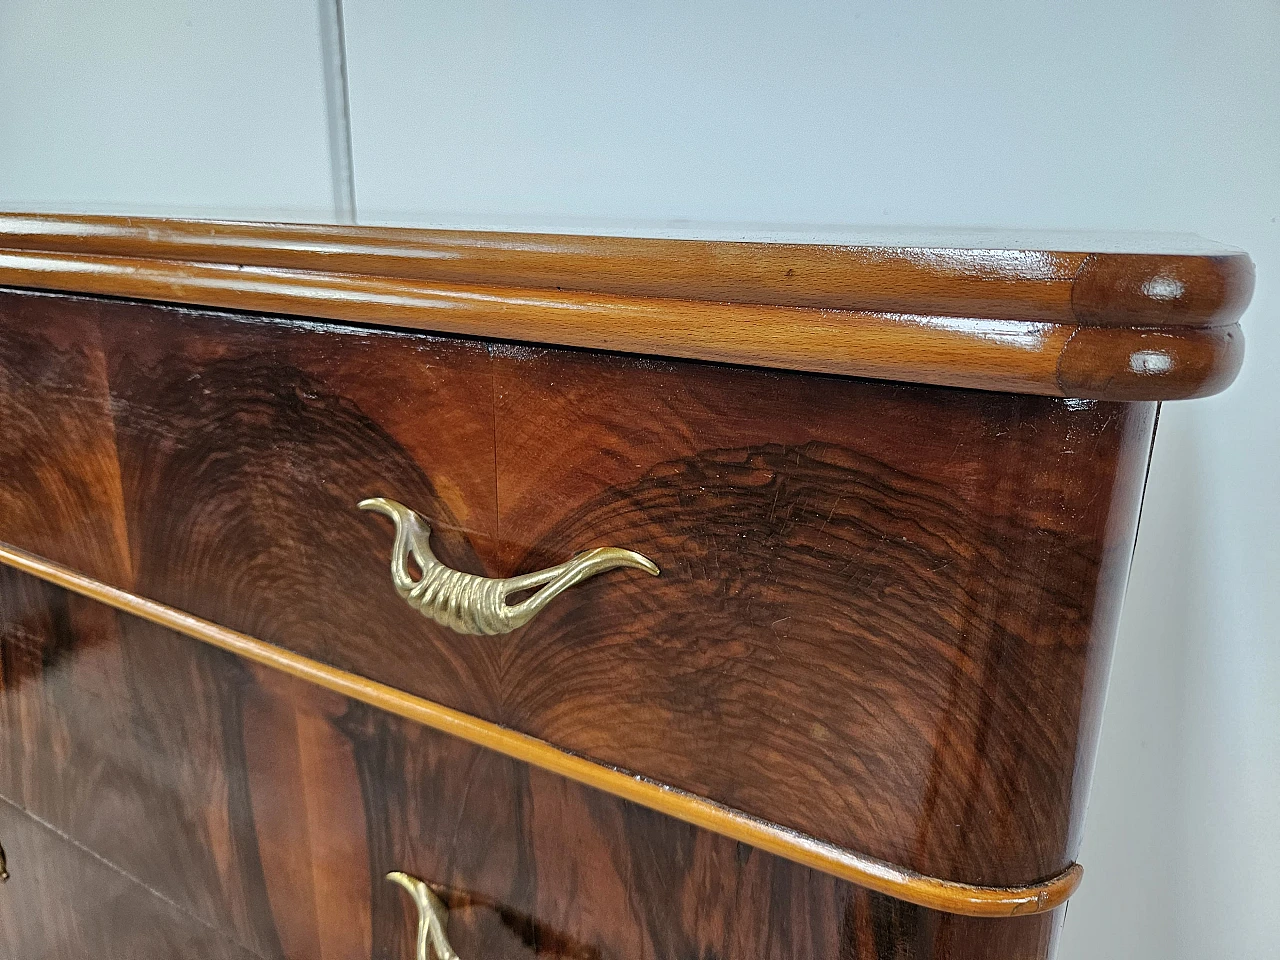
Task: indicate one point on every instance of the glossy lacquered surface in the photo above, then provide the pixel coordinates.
(219, 796)
(885, 612)
(868, 873)
(66, 903)
(1118, 280)
(1019, 317)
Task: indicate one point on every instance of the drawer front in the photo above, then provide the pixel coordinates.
(884, 612)
(266, 810)
(66, 904)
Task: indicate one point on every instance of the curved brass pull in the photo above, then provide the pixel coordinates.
(432, 917)
(466, 603)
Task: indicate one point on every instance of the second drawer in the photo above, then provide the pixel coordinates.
(201, 796)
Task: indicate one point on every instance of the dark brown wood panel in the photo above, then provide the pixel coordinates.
(246, 445)
(60, 488)
(126, 748)
(885, 878)
(280, 806)
(885, 615)
(64, 903)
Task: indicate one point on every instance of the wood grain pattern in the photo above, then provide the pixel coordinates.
(1146, 290)
(886, 613)
(946, 896)
(59, 479)
(893, 603)
(258, 529)
(980, 318)
(64, 903)
(314, 796)
(1210, 360)
(1003, 277)
(123, 749)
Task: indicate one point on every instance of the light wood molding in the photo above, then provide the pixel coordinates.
(931, 892)
(1147, 325)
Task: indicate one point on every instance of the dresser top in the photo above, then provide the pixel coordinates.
(1122, 316)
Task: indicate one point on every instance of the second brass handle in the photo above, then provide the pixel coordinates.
(466, 603)
(433, 915)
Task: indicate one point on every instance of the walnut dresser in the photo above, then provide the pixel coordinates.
(416, 594)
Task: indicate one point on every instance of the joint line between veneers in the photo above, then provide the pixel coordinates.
(136, 881)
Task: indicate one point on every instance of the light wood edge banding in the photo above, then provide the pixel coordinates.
(996, 275)
(868, 872)
(1015, 356)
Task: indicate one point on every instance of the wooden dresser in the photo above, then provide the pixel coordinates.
(727, 600)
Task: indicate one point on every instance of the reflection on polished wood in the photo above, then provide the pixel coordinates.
(1127, 281)
(1122, 326)
(65, 903)
(955, 898)
(265, 808)
(854, 717)
(884, 619)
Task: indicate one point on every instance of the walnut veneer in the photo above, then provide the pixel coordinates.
(877, 648)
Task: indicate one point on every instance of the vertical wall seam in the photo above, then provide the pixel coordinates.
(338, 110)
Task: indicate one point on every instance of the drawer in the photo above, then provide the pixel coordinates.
(65, 903)
(883, 611)
(265, 811)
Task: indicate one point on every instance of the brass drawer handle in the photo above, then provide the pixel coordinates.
(432, 917)
(466, 603)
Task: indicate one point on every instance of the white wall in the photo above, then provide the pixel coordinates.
(1114, 115)
(203, 109)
